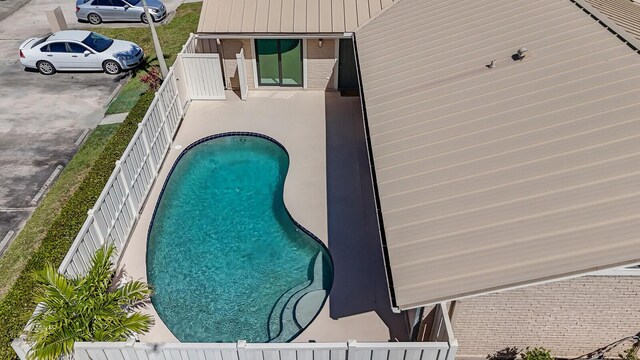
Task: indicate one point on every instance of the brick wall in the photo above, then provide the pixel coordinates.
(568, 317)
(230, 48)
(321, 63)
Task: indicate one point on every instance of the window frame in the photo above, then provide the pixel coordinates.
(280, 84)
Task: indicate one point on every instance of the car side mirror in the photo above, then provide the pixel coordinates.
(87, 53)
(126, 6)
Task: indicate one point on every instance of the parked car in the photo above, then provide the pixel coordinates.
(79, 50)
(97, 11)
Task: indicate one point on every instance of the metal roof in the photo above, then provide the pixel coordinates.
(492, 178)
(287, 16)
(625, 13)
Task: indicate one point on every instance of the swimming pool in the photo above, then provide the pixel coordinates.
(224, 257)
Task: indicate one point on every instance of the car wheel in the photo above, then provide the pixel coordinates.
(143, 17)
(94, 19)
(46, 68)
(111, 67)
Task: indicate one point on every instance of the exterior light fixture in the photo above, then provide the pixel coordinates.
(319, 43)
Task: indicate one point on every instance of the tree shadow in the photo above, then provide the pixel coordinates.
(508, 353)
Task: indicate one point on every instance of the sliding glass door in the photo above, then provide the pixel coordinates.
(279, 62)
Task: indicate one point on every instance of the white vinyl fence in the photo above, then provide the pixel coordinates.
(241, 350)
(203, 76)
(242, 74)
(116, 210)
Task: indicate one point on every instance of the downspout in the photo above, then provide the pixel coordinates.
(374, 183)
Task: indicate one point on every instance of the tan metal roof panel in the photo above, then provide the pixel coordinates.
(337, 14)
(491, 178)
(313, 16)
(261, 19)
(326, 22)
(224, 14)
(300, 16)
(625, 13)
(286, 23)
(274, 20)
(249, 15)
(287, 16)
(350, 14)
(374, 6)
(363, 11)
(237, 12)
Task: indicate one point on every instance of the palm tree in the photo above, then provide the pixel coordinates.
(88, 308)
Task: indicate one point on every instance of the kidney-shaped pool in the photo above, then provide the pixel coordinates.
(224, 257)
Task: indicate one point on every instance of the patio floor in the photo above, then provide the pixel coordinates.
(358, 305)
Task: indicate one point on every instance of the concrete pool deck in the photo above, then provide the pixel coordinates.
(298, 120)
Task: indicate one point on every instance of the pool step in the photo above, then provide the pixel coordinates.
(275, 317)
(288, 319)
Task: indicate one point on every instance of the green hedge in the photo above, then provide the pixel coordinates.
(19, 302)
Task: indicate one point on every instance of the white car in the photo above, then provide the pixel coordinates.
(79, 50)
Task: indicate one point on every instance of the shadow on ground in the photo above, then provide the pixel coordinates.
(360, 283)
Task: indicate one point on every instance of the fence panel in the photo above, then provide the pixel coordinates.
(271, 351)
(116, 210)
(242, 74)
(203, 76)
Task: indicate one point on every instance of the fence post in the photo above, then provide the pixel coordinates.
(20, 347)
(147, 148)
(242, 349)
(453, 349)
(352, 350)
(129, 353)
(128, 199)
(95, 226)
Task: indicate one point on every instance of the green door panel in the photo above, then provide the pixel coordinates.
(279, 62)
(268, 67)
(291, 57)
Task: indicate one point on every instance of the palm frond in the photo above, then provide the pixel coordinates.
(85, 309)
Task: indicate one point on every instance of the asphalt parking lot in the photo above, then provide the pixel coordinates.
(41, 117)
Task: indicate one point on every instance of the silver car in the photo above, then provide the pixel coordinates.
(97, 11)
(79, 50)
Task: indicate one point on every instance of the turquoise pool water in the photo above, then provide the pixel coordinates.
(224, 258)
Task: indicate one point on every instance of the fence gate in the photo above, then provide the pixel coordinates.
(203, 76)
(242, 74)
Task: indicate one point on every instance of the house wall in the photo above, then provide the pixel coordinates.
(570, 317)
(230, 47)
(320, 65)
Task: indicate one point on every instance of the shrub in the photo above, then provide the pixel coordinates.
(537, 353)
(19, 302)
(152, 78)
(88, 308)
(629, 354)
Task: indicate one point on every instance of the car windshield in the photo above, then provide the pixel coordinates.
(97, 42)
(133, 2)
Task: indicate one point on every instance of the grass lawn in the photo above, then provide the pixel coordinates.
(28, 240)
(54, 225)
(172, 36)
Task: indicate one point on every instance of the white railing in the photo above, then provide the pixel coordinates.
(190, 47)
(111, 219)
(241, 350)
